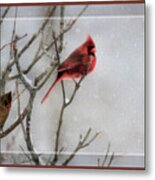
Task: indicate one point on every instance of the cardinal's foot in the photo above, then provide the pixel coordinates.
(76, 84)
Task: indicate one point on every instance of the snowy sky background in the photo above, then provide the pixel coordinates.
(110, 100)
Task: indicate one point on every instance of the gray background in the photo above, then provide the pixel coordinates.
(110, 100)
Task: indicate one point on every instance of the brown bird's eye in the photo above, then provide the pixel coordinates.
(6, 99)
(5, 102)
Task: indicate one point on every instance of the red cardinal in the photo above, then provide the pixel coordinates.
(5, 105)
(80, 62)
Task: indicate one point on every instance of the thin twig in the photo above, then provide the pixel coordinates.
(81, 144)
(106, 160)
(62, 110)
(39, 82)
(36, 59)
(75, 90)
(55, 158)
(32, 92)
(64, 105)
(36, 54)
(17, 96)
(14, 125)
(34, 155)
(62, 10)
(98, 161)
(58, 59)
(111, 159)
(32, 39)
(27, 156)
(47, 73)
(13, 33)
(8, 70)
(4, 15)
(17, 39)
(66, 29)
(34, 36)
(19, 107)
(106, 155)
(22, 77)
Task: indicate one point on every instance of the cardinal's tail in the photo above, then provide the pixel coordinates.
(50, 89)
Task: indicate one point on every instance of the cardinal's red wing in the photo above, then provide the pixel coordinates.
(75, 60)
(68, 66)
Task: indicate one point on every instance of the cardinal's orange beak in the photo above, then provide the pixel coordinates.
(93, 50)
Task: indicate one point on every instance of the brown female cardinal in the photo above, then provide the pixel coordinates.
(5, 105)
(80, 62)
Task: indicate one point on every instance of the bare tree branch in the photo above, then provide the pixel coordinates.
(13, 33)
(22, 77)
(29, 143)
(32, 92)
(13, 41)
(106, 155)
(39, 82)
(4, 15)
(37, 34)
(32, 39)
(81, 144)
(108, 158)
(64, 105)
(66, 29)
(45, 74)
(62, 10)
(111, 159)
(36, 59)
(14, 125)
(27, 155)
(75, 90)
(58, 59)
(19, 107)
